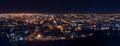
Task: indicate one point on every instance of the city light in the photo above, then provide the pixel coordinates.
(43, 27)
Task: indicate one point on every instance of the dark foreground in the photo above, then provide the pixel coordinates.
(102, 38)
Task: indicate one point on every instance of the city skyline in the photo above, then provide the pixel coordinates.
(24, 28)
(59, 23)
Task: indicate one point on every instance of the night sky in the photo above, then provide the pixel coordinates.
(60, 6)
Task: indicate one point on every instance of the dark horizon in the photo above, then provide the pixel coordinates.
(59, 6)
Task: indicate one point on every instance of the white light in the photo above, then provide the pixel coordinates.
(26, 31)
(12, 34)
(20, 38)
